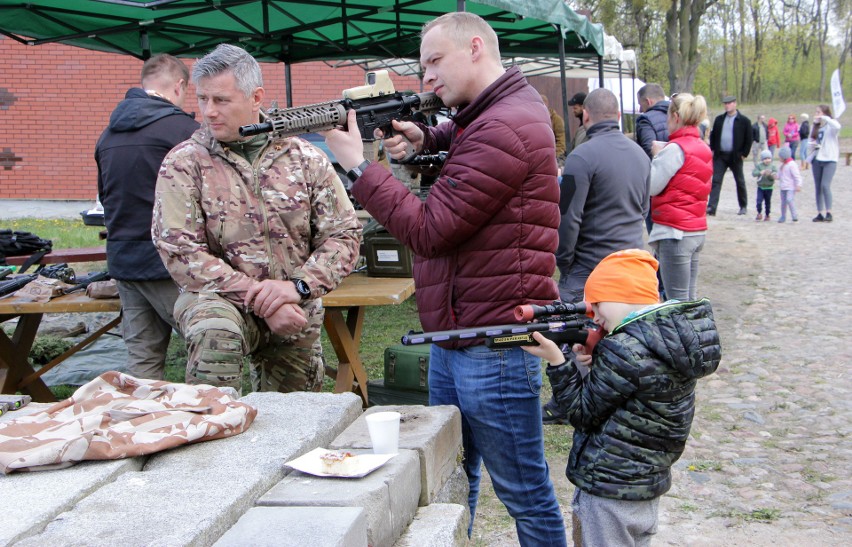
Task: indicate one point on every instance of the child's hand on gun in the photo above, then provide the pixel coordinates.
(581, 356)
(546, 349)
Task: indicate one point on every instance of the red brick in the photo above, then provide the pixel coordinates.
(66, 94)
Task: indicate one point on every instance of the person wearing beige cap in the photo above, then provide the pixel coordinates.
(632, 413)
(730, 141)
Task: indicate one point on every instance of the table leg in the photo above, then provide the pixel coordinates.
(345, 338)
(13, 360)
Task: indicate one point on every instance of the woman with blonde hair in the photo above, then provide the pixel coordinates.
(681, 176)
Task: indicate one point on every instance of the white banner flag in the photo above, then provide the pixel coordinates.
(838, 105)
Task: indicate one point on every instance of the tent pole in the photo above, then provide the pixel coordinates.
(565, 118)
(146, 45)
(600, 71)
(288, 83)
(621, 94)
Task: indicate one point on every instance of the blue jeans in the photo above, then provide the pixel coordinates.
(497, 393)
(679, 265)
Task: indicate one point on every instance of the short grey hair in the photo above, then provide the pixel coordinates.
(651, 91)
(226, 57)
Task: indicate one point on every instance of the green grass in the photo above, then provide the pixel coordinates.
(65, 233)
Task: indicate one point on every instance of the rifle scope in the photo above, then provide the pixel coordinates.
(531, 311)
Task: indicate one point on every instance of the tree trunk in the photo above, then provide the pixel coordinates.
(743, 62)
(683, 20)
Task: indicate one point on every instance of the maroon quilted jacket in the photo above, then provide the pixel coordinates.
(484, 238)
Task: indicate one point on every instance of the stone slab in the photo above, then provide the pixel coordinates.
(389, 495)
(36, 498)
(438, 525)
(297, 527)
(193, 494)
(433, 431)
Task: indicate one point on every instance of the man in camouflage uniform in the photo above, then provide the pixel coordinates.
(254, 231)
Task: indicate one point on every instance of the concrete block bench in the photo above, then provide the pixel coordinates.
(219, 492)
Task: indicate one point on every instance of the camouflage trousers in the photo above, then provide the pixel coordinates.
(218, 335)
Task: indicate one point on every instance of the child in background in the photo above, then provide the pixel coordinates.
(791, 134)
(789, 182)
(632, 413)
(766, 173)
(773, 138)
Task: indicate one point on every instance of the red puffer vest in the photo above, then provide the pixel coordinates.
(683, 203)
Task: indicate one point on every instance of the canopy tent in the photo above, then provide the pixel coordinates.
(292, 31)
(289, 31)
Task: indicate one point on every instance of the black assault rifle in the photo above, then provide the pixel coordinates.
(12, 284)
(376, 104)
(562, 323)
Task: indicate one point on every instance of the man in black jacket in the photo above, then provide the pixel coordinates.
(652, 124)
(730, 141)
(142, 129)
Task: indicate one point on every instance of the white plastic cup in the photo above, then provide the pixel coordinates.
(384, 432)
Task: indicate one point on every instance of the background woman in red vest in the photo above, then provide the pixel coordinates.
(681, 173)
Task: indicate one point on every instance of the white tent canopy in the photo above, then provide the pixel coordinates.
(624, 89)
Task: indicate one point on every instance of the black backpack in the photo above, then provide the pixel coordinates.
(23, 243)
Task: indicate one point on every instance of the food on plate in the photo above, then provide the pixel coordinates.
(338, 462)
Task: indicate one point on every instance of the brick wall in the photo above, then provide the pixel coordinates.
(55, 100)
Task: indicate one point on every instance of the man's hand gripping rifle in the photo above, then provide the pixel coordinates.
(376, 104)
(562, 323)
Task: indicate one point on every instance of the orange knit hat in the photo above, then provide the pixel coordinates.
(628, 276)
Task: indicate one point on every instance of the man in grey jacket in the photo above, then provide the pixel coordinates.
(604, 200)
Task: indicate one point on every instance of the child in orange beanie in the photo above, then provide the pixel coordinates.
(633, 411)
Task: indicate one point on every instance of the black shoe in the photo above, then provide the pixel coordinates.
(742, 211)
(550, 414)
(819, 218)
(711, 212)
(828, 217)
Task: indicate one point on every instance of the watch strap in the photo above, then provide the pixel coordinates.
(356, 172)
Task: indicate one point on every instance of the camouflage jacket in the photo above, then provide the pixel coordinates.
(632, 413)
(221, 225)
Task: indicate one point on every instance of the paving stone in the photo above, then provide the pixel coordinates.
(297, 527)
(389, 495)
(437, 525)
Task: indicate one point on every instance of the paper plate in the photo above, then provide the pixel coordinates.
(364, 464)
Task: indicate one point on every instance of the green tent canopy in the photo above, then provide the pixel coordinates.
(290, 31)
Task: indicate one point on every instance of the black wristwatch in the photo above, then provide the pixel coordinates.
(356, 172)
(302, 288)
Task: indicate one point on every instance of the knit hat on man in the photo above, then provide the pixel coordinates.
(628, 276)
(765, 155)
(784, 153)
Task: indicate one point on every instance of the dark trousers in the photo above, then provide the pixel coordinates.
(722, 161)
(764, 196)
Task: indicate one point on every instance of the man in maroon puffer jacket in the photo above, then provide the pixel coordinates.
(484, 241)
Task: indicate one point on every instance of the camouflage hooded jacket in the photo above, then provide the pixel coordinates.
(221, 225)
(632, 413)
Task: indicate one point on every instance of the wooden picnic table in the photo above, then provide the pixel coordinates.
(344, 323)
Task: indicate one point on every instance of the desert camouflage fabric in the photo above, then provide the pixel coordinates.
(222, 224)
(118, 416)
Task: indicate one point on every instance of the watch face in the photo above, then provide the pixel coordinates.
(302, 288)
